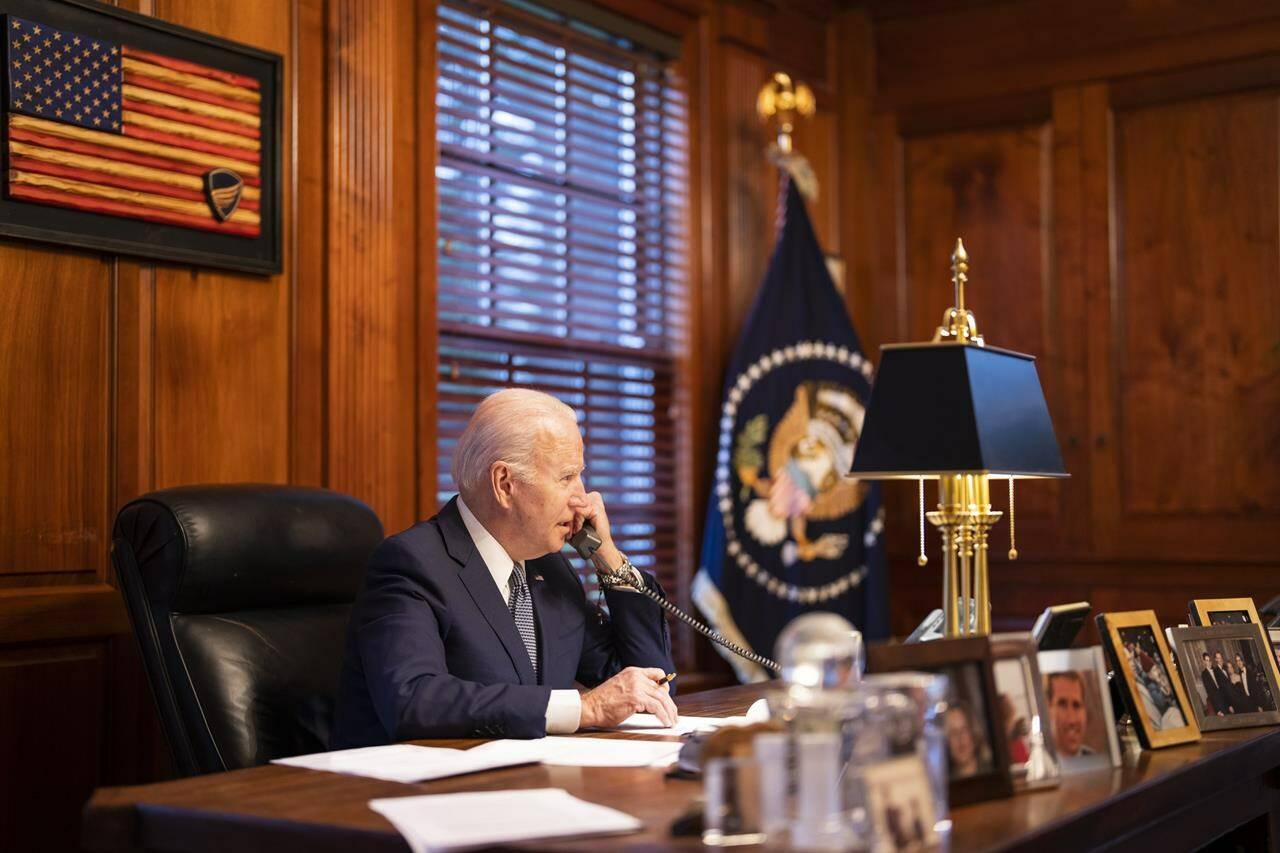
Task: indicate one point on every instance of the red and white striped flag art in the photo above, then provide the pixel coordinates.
(114, 130)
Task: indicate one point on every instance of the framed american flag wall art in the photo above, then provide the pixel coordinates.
(126, 134)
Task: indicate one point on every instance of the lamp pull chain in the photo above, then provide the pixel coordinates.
(1013, 539)
(922, 560)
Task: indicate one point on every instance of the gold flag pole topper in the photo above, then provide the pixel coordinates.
(787, 101)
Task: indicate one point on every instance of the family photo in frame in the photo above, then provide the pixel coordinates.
(1229, 676)
(1155, 697)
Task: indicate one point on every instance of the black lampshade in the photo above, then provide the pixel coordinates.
(955, 408)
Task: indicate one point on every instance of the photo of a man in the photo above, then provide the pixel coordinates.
(1214, 687)
(1080, 719)
(1068, 713)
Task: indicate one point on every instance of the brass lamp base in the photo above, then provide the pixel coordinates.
(964, 518)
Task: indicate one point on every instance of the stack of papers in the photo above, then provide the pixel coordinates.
(403, 762)
(450, 821)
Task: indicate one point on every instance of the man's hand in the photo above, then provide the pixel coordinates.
(632, 691)
(590, 508)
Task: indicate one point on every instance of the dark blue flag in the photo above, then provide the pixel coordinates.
(787, 533)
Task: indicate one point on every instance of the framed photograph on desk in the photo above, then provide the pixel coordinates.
(1222, 611)
(1023, 712)
(1228, 611)
(1157, 703)
(1082, 722)
(1228, 673)
(977, 752)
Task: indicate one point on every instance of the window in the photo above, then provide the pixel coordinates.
(561, 183)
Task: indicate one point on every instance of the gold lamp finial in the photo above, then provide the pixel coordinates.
(959, 272)
(958, 323)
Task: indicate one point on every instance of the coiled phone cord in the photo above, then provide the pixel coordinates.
(712, 635)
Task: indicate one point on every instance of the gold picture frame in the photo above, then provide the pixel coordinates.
(1119, 630)
(1202, 612)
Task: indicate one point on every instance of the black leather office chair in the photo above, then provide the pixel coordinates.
(239, 596)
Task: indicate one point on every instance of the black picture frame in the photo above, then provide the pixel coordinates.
(1190, 643)
(262, 254)
(944, 657)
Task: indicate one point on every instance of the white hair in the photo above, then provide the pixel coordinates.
(507, 427)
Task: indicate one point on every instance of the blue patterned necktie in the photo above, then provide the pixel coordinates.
(522, 611)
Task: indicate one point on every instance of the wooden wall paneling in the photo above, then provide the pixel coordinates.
(752, 191)
(428, 333)
(308, 292)
(1067, 381)
(133, 386)
(1187, 450)
(372, 355)
(984, 50)
(816, 139)
(695, 398)
(860, 219)
(744, 23)
(54, 395)
(798, 41)
(709, 279)
(51, 721)
(222, 395)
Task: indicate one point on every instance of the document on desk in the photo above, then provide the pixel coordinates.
(437, 822)
(583, 751)
(404, 762)
(648, 724)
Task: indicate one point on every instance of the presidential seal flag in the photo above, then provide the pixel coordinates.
(787, 532)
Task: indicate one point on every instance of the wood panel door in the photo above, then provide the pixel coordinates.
(1185, 314)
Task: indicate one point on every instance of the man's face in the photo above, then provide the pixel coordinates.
(959, 738)
(1217, 659)
(542, 506)
(1069, 716)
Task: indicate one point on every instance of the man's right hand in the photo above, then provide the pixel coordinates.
(635, 690)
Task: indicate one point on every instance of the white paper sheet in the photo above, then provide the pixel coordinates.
(403, 762)
(648, 724)
(455, 821)
(587, 751)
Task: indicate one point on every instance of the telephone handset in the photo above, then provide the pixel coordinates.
(586, 541)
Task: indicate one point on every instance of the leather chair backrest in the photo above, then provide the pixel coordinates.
(239, 596)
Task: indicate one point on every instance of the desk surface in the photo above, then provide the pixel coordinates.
(1182, 796)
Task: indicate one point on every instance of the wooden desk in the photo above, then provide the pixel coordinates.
(1171, 799)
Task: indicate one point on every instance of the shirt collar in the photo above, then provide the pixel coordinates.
(491, 551)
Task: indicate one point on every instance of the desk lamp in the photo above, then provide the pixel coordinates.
(960, 412)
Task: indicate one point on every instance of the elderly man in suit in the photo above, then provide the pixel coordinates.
(473, 624)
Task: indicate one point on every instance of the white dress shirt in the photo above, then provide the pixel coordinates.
(564, 709)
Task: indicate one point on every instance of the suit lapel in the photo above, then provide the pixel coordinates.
(484, 592)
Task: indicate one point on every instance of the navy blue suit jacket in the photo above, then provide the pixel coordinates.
(432, 650)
